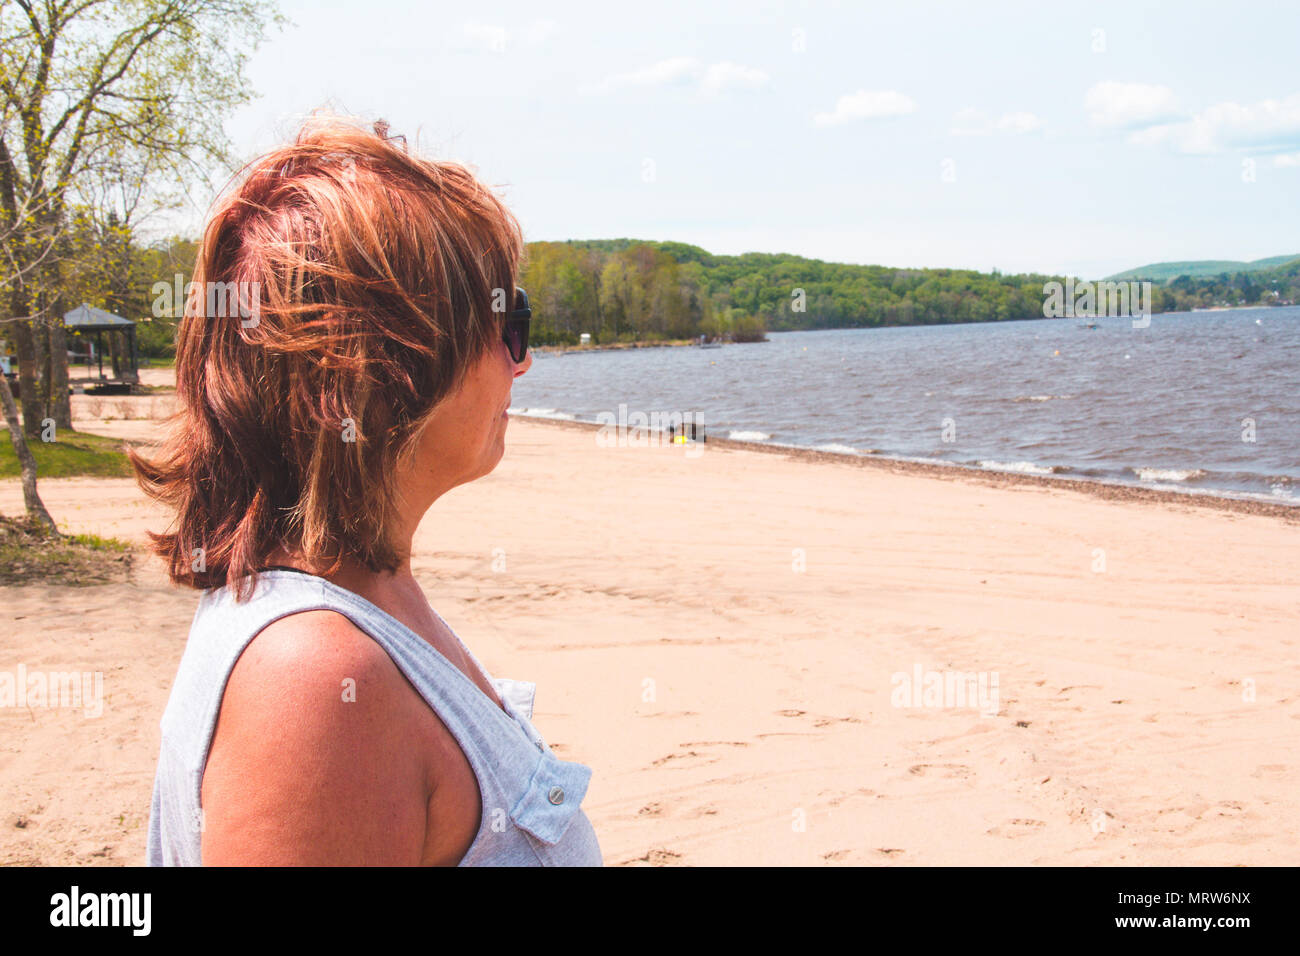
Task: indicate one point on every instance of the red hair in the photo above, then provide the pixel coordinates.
(375, 280)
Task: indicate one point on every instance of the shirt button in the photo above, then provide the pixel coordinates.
(556, 796)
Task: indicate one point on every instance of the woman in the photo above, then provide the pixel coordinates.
(323, 712)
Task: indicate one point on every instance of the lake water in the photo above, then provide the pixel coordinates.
(1201, 401)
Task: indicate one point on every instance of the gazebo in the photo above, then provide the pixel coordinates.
(88, 319)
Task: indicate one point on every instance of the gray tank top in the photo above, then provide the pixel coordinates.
(531, 799)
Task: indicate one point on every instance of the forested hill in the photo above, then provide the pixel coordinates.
(1202, 268)
(634, 290)
(628, 289)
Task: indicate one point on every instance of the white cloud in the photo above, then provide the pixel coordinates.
(711, 80)
(1287, 159)
(973, 122)
(866, 104)
(1267, 125)
(1112, 105)
(724, 76)
(679, 69)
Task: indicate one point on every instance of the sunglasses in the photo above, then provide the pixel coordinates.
(515, 332)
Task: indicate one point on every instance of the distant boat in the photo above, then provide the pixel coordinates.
(1090, 325)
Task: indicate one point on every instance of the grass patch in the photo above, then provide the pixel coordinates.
(30, 555)
(73, 454)
(97, 543)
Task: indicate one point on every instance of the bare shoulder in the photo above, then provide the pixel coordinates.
(309, 653)
(311, 761)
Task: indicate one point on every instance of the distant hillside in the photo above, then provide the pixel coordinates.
(637, 290)
(1164, 271)
(634, 290)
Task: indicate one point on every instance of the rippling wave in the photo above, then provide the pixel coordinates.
(1205, 402)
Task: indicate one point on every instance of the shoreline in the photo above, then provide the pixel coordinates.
(1097, 489)
(625, 346)
(678, 343)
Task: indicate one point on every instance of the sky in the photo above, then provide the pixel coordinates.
(1077, 138)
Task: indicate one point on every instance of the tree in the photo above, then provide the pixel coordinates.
(616, 291)
(31, 498)
(89, 86)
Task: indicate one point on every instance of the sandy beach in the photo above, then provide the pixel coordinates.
(723, 636)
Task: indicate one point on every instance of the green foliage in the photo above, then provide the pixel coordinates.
(1279, 285)
(108, 109)
(158, 313)
(661, 290)
(96, 543)
(1203, 268)
(73, 454)
(622, 290)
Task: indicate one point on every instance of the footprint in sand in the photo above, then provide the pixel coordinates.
(691, 758)
(1016, 828)
(658, 857)
(1270, 770)
(827, 721)
(840, 796)
(952, 770)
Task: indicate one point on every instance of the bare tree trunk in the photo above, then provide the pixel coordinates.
(595, 283)
(25, 347)
(41, 332)
(60, 407)
(35, 507)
